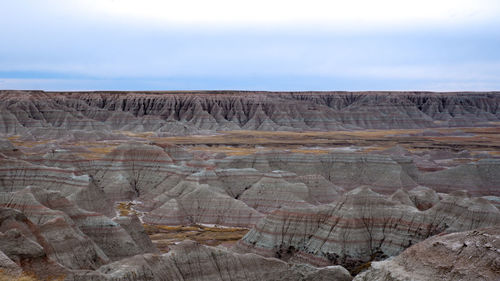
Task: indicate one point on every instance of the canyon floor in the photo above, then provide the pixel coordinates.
(249, 186)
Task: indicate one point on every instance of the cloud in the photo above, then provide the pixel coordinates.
(416, 77)
(329, 12)
(456, 71)
(275, 45)
(227, 14)
(124, 53)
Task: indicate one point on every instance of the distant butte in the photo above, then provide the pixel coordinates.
(187, 112)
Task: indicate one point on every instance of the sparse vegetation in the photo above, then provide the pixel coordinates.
(476, 140)
(163, 236)
(357, 270)
(26, 277)
(485, 139)
(125, 208)
(23, 277)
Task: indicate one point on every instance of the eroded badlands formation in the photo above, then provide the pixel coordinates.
(371, 186)
(40, 114)
(470, 255)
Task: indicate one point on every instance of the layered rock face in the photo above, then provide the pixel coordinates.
(130, 168)
(191, 202)
(192, 261)
(16, 174)
(23, 247)
(483, 173)
(470, 255)
(64, 236)
(383, 173)
(174, 188)
(9, 267)
(362, 226)
(272, 192)
(77, 158)
(51, 114)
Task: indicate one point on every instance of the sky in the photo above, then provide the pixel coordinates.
(274, 45)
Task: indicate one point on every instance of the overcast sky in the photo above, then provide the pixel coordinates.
(276, 45)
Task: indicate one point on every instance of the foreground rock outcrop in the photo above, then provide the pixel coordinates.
(360, 227)
(471, 255)
(48, 235)
(191, 261)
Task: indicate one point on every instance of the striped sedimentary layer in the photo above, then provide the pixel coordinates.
(174, 187)
(272, 192)
(17, 174)
(234, 197)
(133, 226)
(190, 202)
(192, 261)
(129, 171)
(480, 178)
(130, 168)
(384, 173)
(343, 169)
(24, 248)
(362, 226)
(192, 191)
(234, 190)
(9, 267)
(469, 255)
(67, 235)
(52, 114)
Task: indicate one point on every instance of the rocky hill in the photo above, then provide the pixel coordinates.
(276, 186)
(362, 226)
(49, 114)
(470, 255)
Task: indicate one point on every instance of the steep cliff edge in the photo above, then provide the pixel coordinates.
(362, 226)
(189, 112)
(470, 255)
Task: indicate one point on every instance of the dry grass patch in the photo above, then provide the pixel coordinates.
(97, 152)
(26, 277)
(164, 236)
(246, 142)
(13, 138)
(311, 151)
(228, 150)
(135, 134)
(23, 277)
(125, 209)
(18, 143)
